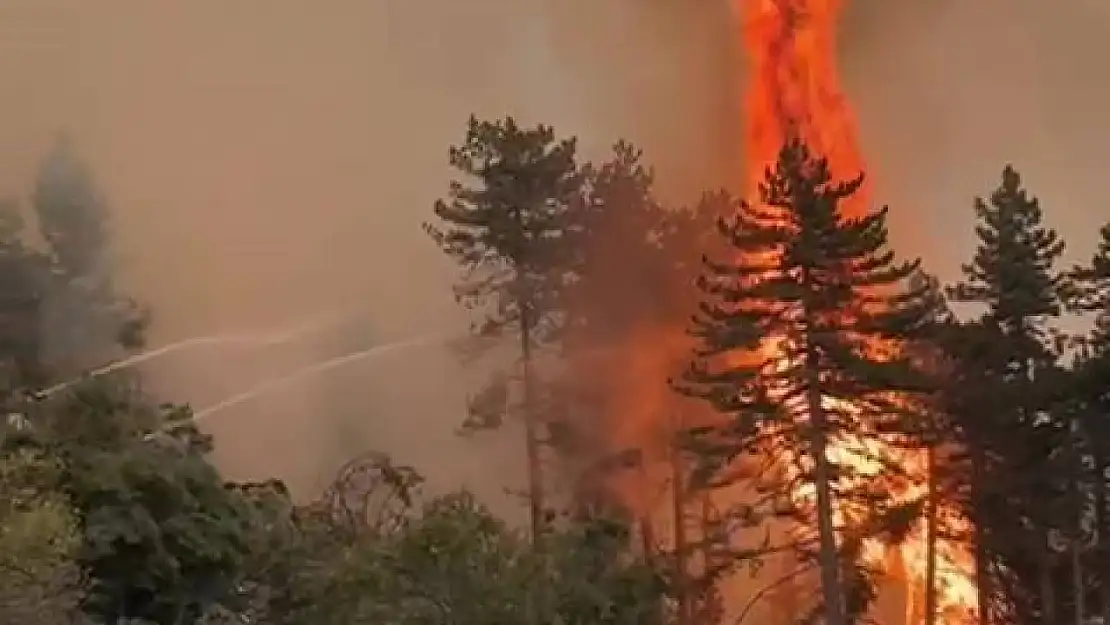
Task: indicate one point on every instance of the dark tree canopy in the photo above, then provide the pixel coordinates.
(508, 221)
(22, 274)
(1006, 398)
(1094, 291)
(1013, 273)
(85, 319)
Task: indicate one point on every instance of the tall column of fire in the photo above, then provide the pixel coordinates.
(794, 93)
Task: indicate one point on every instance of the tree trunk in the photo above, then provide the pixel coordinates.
(829, 558)
(647, 536)
(531, 431)
(931, 537)
(705, 605)
(1104, 599)
(1100, 525)
(682, 573)
(1048, 589)
(1078, 585)
(1079, 539)
(983, 581)
(829, 551)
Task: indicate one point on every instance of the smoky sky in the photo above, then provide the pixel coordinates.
(269, 160)
(950, 92)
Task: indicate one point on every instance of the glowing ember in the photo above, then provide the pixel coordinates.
(794, 92)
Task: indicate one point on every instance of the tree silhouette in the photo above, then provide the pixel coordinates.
(508, 226)
(799, 329)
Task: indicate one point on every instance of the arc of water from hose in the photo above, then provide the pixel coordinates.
(320, 367)
(261, 340)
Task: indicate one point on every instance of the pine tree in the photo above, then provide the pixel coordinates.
(22, 273)
(1009, 348)
(508, 227)
(622, 226)
(1013, 274)
(628, 266)
(1092, 399)
(792, 333)
(1094, 293)
(617, 291)
(932, 435)
(85, 317)
(629, 304)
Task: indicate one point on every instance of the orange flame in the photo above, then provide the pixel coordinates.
(794, 90)
(794, 93)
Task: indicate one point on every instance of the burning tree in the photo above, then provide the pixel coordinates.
(624, 335)
(633, 284)
(800, 353)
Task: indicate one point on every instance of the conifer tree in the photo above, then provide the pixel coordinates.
(617, 292)
(22, 270)
(1092, 400)
(631, 256)
(638, 263)
(1094, 293)
(1006, 420)
(622, 272)
(931, 434)
(507, 225)
(85, 318)
(792, 329)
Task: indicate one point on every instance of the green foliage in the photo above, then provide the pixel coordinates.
(161, 538)
(70, 211)
(85, 320)
(1089, 395)
(1094, 292)
(1013, 273)
(39, 581)
(455, 562)
(1008, 397)
(507, 223)
(22, 271)
(448, 560)
(510, 227)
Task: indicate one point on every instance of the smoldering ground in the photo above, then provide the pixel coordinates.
(269, 161)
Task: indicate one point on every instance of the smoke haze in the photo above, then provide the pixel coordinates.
(948, 92)
(269, 161)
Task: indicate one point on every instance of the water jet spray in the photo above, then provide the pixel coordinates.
(256, 340)
(316, 368)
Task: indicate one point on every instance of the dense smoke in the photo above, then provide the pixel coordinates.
(948, 92)
(263, 164)
(267, 164)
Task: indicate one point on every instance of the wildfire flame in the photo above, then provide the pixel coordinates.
(794, 93)
(794, 90)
